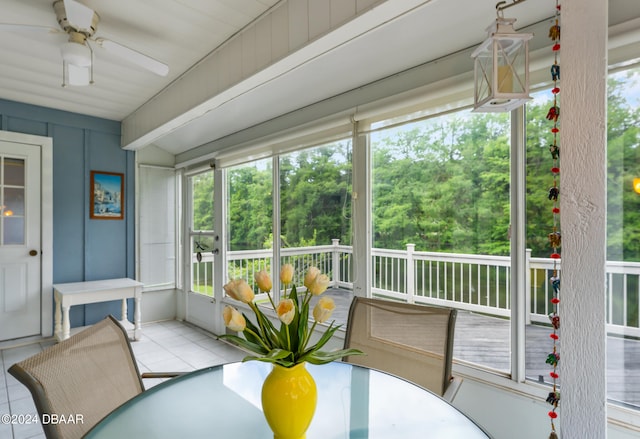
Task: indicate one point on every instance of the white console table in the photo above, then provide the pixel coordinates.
(81, 293)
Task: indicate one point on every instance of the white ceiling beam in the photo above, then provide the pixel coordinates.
(223, 75)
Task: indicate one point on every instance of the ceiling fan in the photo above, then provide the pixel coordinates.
(81, 23)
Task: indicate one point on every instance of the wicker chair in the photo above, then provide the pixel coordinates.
(86, 376)
(414, 342)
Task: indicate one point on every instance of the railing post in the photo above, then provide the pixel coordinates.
(410, 273)
(335, 262)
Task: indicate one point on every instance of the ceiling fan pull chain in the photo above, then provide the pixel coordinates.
(91, 66)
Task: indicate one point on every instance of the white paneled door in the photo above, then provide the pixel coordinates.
(20, 240)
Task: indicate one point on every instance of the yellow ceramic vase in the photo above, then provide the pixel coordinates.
(289, 398)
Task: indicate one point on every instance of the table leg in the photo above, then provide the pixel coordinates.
(66, 324)
(124, 309)
(137, 319)
(58, 318)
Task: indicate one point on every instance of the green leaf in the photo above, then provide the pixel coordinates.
(250, 324)
(293, 295)
(271, 332)
(248, 335)
(326, 336)
(295, 323)
(303, 327)
(320, 357)
(246, 344)
(278, 356)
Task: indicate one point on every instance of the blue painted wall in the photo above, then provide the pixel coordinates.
(84, 249)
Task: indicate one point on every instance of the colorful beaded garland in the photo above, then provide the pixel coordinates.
(553, 115)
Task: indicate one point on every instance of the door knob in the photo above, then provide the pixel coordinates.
(33, 253)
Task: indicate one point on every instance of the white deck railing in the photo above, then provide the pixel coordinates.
(479, 283)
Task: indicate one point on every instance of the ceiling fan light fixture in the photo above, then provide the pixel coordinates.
(79, 76)
(76, 54)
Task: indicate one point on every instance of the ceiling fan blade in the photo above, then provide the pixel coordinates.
(79, 16)
(135, 57)
(10, 27)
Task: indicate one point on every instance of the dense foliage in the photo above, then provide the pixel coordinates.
(440, 183)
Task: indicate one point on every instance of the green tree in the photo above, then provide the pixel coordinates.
(440, 183)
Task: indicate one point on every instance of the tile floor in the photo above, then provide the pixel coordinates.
(165, 346)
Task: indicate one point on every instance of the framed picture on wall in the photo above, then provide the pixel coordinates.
(107, 195)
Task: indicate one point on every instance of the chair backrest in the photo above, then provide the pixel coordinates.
(86, 376)
(414, 342)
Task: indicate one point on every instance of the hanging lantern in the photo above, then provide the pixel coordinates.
(501, 68)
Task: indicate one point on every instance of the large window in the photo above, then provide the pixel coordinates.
(249, 219)
(540, 223)
(441, 224)
(622, 293)
(315, 211)
(622, 296)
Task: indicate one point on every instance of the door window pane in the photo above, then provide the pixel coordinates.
(202, 201)
(13, 172)
(12, 201)
(13, 233)
(201, 232)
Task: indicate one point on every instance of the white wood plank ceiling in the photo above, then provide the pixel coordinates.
(236, 63)
(176, 32)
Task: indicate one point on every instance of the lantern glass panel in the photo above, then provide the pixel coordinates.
(484, 76)
(511, 69)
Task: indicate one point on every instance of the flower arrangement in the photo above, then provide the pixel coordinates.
(288, 345)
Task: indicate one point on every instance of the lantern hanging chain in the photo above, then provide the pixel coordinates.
(501, 6)
(554, 237)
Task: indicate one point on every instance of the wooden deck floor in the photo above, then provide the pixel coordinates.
(484, 340)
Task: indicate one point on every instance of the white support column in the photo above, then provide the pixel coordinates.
(219, 245)
(361, 214)
(518, 285)
(277, 230)
(583, 103)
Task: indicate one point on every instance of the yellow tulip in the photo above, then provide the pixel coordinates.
(233, 319)
(323, 309)
(286, 311)
(286, 274)
(263, 279)
(310, 277)
(319, 284)
(239, 289)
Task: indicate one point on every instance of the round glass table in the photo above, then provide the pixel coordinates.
(224, 401)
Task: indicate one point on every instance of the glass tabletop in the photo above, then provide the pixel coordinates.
(224, 401)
